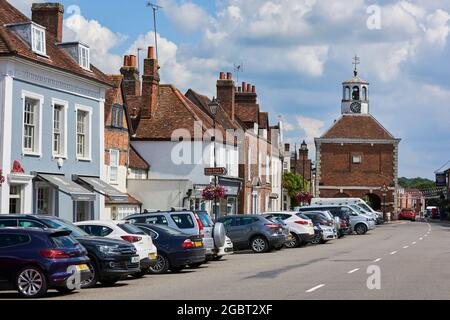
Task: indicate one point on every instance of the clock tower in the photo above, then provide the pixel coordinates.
(355, 98)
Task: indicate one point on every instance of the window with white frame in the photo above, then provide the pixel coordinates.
(59, 139)
(83, 134)
(114, 158)
(31, 126)
(38, 40)
(85, 57)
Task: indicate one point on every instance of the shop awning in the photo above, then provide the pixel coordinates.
(66, 186)
(233, 186)
(103, 188)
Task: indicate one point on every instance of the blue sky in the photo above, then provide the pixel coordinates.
(297, 53)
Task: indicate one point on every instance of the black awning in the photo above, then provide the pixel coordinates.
(66, 186)
(103, 188)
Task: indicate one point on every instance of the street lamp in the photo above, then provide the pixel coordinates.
(214, 108)
(384, 190)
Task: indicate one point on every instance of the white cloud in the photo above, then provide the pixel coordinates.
(312, 127)
(186, 17)
(438, 27)
(99, 38)
(24, 5)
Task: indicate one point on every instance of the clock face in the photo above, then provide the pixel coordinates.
(355, 107)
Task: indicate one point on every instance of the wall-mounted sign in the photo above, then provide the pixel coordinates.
(441, 179)
(215, 172)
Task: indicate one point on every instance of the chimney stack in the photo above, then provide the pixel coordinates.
(130, 73)
(150, 84)
(226, 90)
(50, 16)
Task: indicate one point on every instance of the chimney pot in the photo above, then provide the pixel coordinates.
(229, 76)
(253, 89)
(249, 87)
(126, 61)
(244, 86)
(239, 89)
(151, 53)
(133, 61)
(222, 76)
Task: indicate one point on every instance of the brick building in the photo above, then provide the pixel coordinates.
(301, 164)
(357, 156)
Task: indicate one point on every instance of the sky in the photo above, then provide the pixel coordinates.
(297, 53)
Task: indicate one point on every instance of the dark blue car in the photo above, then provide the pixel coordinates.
(176, 250)
(34, 260)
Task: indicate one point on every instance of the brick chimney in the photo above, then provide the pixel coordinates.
(150, 84)
(130, 73)
(247, 95)
(226, 92)
(50, 16)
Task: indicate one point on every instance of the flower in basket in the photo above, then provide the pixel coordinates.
(212, 192)
(304, 197)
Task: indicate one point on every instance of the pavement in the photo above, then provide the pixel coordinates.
(401, 260)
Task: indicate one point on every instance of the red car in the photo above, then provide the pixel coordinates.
(407, 214)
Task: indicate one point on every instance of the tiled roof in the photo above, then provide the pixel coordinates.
(12, 44)
(248, 112)
(136, 161)
(173, 112)
(358, 127)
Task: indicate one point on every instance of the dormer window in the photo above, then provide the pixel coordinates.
(38, 39)
(85, 62)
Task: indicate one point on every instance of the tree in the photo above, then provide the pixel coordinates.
(293, 183)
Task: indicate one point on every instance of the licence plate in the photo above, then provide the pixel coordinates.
(152, 256)
(82, 267)
(134, 259)
(198, 244)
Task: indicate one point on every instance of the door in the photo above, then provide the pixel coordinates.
(11, 246)
(15, 199)
(243, 229)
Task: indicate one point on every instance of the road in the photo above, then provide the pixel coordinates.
(413, 258)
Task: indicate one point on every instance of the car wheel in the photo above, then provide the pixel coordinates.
(294, 243)
(93, 279)
(259, 244)
(109, 282)
(316, 240)
(161, 266)
(361, 229)
(31, 283)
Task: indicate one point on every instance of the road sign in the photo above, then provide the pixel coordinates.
(215, 172)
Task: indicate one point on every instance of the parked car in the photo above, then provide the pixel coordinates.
(110, 260)
(254, 232)
(186, 222)
(322, 223)
(407, 214)
(302, 230)
(359, 223)
(176, 250)
(225, 250)
(378, 218)
(35, 260)
(121, 230)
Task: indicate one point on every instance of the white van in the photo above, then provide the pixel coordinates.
(346, 201)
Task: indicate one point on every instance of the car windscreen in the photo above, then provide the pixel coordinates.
(183, 220)
(59, 224)
(131, 229)
(365, 207)
(205, 219)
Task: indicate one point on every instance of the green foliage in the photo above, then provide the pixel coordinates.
(416, 183)
(294, 185)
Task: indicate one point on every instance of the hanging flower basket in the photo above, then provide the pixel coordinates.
(304, 197)
(2, 178)
(211, 192)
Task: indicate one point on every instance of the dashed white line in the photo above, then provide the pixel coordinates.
(353, 271)
(414, 243)
(420, 239)
(393, 252)
(315, 288)
(377, 260)
(405, 247)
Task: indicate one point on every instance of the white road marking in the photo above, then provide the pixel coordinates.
(353, 271)
(425, 235)
(420, 239)
(405, 247)
(315, 288)
(377, 260)
(393, 252)
(414, 242)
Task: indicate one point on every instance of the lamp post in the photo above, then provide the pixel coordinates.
(384, 191)
(214, 107)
